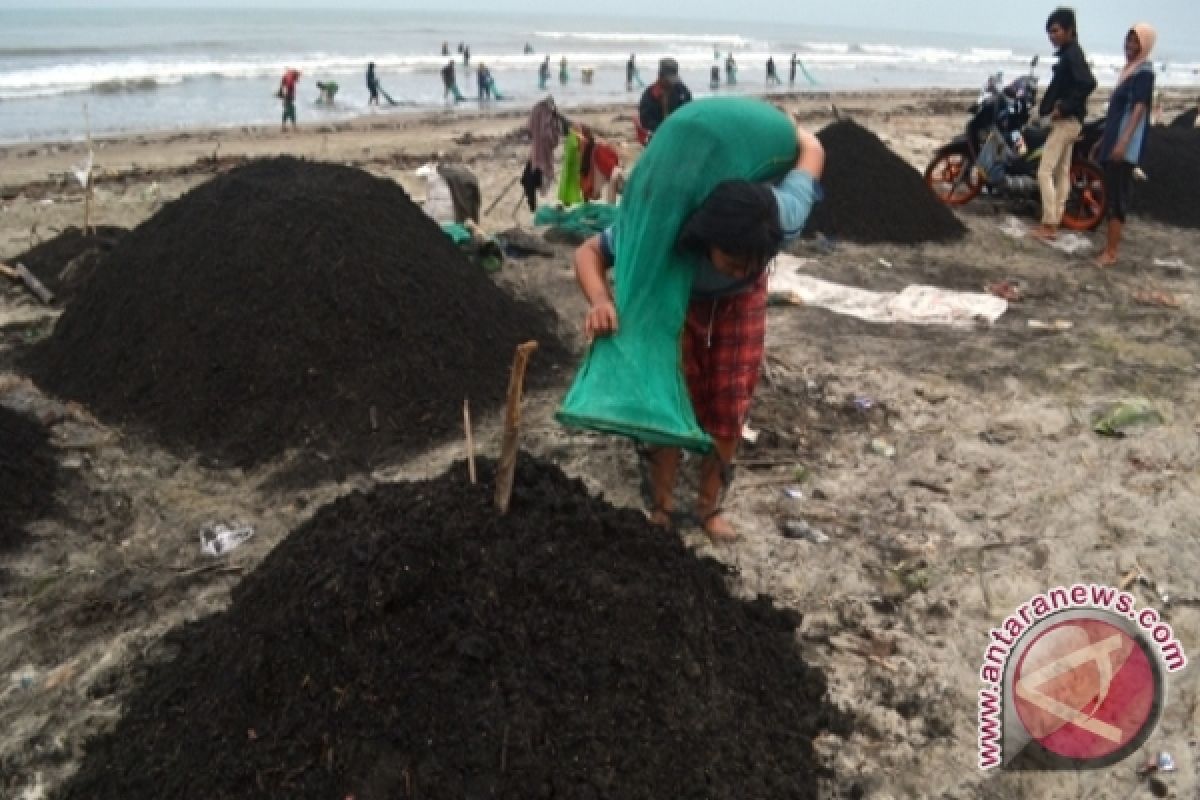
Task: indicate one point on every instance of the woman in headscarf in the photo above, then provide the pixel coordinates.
(1124, 139)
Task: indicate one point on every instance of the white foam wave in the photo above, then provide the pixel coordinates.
(729, 40)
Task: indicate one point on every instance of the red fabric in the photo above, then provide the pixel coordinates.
(643, 135)
(604, 161)
(722, 368)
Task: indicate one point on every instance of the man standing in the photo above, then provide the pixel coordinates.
(287, 93)
(450, 82)
(662, 97)
(1065, 104)
(544, 73)
(373, 84)
(792, 71)
(772, 75)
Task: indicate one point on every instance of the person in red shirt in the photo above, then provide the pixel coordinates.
(287, 93)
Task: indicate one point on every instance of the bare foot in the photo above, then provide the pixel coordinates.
(1045, 232)
(1106, 259)
(718, 529)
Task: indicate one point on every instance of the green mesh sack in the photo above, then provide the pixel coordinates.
(632, 383)
(569, 191)
(579, 223)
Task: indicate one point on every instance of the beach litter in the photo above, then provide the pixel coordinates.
(1156, 297)
(800, 529)
(218, 538)
(918, 305)
(1058, 325)
(1119, 418)
(1012, 291)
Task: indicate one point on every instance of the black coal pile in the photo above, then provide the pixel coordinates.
(288, 304)
(1186, 120)
(65, 262)
(1171, 162)
(29, 476)
(873, 195)
(411, 643)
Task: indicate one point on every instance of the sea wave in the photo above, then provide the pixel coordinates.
(111, 76)
(728, 40)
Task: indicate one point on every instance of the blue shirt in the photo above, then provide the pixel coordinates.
(795, 196)
(1137, 88)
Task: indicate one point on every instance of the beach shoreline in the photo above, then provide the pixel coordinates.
(372, 138)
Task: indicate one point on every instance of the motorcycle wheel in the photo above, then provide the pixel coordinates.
(952, 177)
(1088, 199)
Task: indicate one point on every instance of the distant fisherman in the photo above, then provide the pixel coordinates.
(544, 73)
(287, 93)
(373, 84)
(563, 75)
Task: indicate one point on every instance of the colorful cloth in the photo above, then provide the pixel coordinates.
(723, 345)
(544, 131)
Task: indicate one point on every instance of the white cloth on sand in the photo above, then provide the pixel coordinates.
(917, 305)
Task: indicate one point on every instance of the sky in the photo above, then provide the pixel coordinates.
(1102, 23)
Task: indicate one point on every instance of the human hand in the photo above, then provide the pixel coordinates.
(601, 320)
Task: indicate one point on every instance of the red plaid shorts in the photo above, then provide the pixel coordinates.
(723, 345)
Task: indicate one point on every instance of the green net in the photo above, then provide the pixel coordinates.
(632, 383)
(579, 223)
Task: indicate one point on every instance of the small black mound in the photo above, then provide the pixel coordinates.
(1172, 165)
(64, 263)
(873, 195)
(29, 476)
(410, 643)
(1186, 120)
(288, 304)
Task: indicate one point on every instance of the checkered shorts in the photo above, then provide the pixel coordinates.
(723, 345)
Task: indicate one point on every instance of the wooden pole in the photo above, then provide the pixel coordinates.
(512, 424)
(470, 440)
(87, 187)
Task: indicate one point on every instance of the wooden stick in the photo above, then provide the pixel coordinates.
(87, 189)
(470, 440)
(512, 423)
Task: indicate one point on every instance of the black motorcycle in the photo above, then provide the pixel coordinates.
(999, 152)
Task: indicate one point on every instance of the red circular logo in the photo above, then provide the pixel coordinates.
(1084, 689)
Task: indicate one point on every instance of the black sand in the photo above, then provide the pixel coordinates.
(29, 476)
(409, 643)
(873, 195)
(290, 304)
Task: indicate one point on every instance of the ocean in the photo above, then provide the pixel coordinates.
(141, 70)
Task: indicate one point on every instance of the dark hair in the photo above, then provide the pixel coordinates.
(740, 218)
(1064, 18)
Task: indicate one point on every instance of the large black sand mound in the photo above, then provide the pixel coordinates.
(28, 475)
(65, 262)
(873, 195)
(1172, 164)
(1186, 120)
(409, 643)
(289, 303)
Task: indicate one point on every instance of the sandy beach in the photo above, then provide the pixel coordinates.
(955, 471)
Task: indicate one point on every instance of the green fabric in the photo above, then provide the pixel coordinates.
(457, 232)
(583, 221)
(632, 383)
(569, 191)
